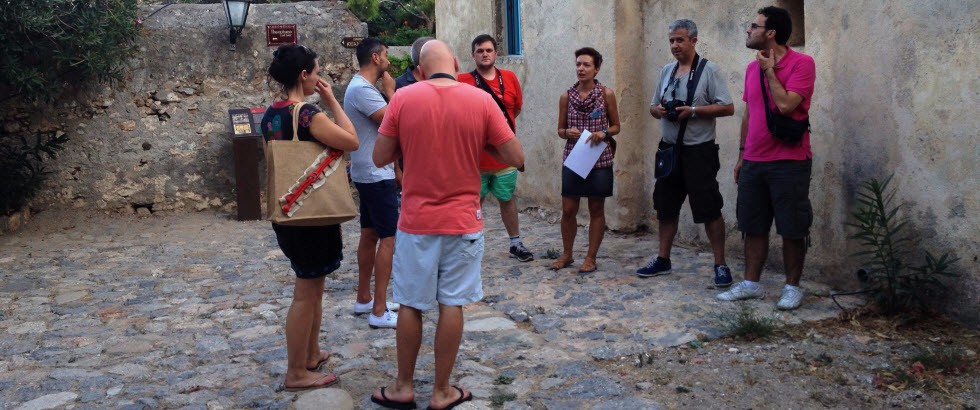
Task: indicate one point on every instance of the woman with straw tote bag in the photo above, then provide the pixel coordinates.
(313, 251)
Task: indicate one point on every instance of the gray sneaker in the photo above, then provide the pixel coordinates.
(742, 291)
(791, 299)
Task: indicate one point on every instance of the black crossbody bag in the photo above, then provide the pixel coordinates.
(782, 128)
(667, 158)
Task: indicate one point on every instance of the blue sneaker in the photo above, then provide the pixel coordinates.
(656, 267)
(723, 276)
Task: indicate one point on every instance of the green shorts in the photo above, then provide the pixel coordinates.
(501, 183)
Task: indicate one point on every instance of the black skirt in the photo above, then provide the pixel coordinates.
(599, 183)
(313, 251)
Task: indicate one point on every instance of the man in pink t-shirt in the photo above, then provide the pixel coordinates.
(439, 127)
(773, 176)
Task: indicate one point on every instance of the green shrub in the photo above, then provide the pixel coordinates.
(399, 65)
(747, 324)
(46, 48)
(404, 36)
(895, 285)
(21, 164)
(49, 46)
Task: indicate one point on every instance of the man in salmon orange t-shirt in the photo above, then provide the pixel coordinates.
(440, 127)
(496, 177)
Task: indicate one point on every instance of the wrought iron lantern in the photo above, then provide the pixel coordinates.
(237, 12)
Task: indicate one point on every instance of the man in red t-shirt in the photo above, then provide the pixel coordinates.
(440, 127)
(773, 176)
(496, 177)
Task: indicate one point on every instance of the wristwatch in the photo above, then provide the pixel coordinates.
(694, 111)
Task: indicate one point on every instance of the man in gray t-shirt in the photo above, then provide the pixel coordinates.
(695, 174)
(376, 187)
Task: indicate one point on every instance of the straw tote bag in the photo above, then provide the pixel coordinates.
(307, 185)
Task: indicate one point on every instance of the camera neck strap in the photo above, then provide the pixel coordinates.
(482, 84)
(697, 67)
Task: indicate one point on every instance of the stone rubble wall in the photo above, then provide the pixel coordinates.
(160, 140)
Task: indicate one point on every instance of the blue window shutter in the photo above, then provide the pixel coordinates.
(514, 27)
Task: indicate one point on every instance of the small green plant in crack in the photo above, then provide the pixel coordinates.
(745, 323)
(822, 359)
(499, 399)
(551, 253)
(501, 380)
(643, 358)
(946, 360)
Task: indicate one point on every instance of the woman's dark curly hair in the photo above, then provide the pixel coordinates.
(288, 62)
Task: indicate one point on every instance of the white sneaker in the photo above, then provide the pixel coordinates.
(742, 291)
(361, 308)
(388, 319)
(791, 299)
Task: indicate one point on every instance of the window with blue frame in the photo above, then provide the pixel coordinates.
(513, 26)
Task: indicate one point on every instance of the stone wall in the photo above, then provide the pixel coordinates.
(160, 140)
(896, 86)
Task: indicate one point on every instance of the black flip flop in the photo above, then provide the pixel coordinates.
(463, 398)
(391, 404)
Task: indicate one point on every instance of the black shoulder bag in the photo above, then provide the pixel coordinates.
(668, 157)
(478, 79)
(782, 128)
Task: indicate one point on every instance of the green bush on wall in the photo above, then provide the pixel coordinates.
(399, 64)
(48, 48)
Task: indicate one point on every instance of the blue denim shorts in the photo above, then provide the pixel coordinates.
(429, 270)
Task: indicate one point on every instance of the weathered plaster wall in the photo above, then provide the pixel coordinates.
(896, 86)
(899, 97)
(548, 65)
(159, 139)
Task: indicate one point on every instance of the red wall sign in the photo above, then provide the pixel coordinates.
(279, 34)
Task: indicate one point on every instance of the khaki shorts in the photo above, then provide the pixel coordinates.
(429, 270)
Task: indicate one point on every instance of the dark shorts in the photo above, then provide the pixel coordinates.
(695, 177)
(313, 251)
(777, 189)
(599, 183)
(379, 206)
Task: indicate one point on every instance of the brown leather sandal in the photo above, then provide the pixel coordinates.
(588, 265)
(562, 262)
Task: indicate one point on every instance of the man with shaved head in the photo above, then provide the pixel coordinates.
(439, 127)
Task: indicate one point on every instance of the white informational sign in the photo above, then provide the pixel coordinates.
(584, 155)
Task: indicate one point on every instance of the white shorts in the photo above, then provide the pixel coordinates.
(428, 270)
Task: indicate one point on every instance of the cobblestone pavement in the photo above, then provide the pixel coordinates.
(187, 311)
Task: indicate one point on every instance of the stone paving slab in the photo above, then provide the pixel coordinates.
(187, 311)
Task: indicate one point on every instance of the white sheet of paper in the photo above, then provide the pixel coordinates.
(584, 155)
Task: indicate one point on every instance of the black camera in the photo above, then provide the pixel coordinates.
(671, 107)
